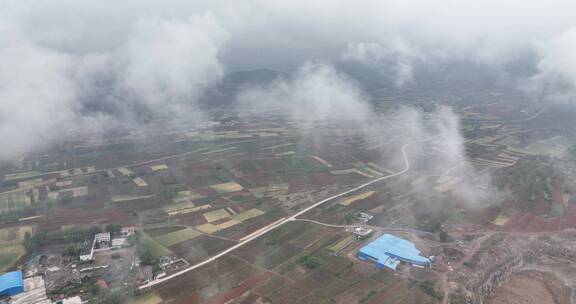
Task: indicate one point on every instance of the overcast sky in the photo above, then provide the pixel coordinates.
(282, 34)
(55, 55)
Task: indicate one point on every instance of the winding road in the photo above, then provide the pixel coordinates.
(277, 224)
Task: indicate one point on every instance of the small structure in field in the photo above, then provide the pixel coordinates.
(127, 231)
(362, 232)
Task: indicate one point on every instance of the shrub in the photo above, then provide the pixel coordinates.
(310, 262)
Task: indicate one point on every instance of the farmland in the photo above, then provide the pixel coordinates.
(11, 245)
(193, 194)
(14, 201)
(154, 246)
(173, 238)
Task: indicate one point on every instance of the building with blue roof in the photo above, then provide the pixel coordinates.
(388, 251)
(11, 283)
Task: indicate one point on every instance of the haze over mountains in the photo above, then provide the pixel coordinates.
(86, 64)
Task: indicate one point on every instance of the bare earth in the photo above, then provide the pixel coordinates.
(531, 287)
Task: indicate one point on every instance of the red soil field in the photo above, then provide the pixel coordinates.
(206, 191)
(323, 179)
(81, 216)
(257, 179)
(528, 222)
(245, 286)
(557, 192)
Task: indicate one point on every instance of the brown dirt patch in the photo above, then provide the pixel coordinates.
(532, 287)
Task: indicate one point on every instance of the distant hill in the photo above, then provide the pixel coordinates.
(247, 78)
(225, 92)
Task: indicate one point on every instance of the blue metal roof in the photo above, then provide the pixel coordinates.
(391, 263)
(388, 246)
(11, 283)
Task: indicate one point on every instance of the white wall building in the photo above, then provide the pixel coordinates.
(102, 237)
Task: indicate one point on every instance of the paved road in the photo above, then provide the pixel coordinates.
(377, 228)
(275, 225)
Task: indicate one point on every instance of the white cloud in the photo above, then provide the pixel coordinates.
(169, 62)
(165, 66)
(555, 79)
(36, 93)
(392, 57)
(314, 93)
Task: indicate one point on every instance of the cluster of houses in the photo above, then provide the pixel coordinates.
(104, 241)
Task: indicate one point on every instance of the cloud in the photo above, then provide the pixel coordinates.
(314, 93)
(318, 99)
(393, 58)
(107, 57)
(555, 79)
(37, 97)
(283, 34)
(167, 64)
(48, 95)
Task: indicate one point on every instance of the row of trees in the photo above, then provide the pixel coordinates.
(73, 236)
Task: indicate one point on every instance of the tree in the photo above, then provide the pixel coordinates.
(29, 242)
(65, 200)
(310, 262)
(95, 289)
(429, 288)
(169, 192)
(72, 250)
(146, 257)
(113, 228)
(443, 235)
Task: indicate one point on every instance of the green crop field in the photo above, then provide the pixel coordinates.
(248, 214)
(11, 249)
(338, 245)
(175, 237)
(9, 254)
(12, 201)
(153, 246)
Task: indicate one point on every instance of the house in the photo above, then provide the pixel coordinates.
(118, 242)
(87, 251)
(102, 237)
(127, 231)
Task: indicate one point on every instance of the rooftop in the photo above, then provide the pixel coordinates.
(11, 283)
(390, 246)
(87, 246)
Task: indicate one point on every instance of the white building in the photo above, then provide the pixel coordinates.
(87, 252)
(118, 242)
(72, 300)
(102, 237)
(127, 231)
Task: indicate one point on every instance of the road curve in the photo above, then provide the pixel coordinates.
(275, 225)
(509, 121)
